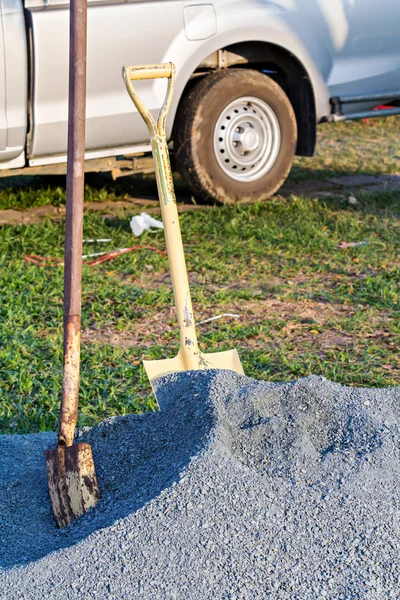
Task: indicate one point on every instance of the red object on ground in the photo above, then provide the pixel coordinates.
(113, 254)
(382, 107)
(49, 261)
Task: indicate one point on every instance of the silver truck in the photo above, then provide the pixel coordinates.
(254, 78)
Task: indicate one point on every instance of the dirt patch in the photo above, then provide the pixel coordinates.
(270, 320)
(38, 213)
(108, 208)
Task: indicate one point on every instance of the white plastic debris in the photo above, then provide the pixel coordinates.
(142, 222)
(351, 244)
(352, 200)
(234, 316)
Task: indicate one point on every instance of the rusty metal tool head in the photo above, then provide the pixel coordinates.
(72, 482)
(189, 356)
(70, 468)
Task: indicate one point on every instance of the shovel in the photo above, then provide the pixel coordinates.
(70, 469)
(189, 356)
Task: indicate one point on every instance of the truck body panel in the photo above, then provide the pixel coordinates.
(127, 29)
(13, 80)
(344, 46)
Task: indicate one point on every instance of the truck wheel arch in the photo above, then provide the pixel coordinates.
(283, 67)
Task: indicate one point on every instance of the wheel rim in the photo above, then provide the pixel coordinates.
(247, 139)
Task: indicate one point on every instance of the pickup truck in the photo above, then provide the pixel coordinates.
(254, 78)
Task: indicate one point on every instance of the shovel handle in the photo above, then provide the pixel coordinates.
(163, 70)
(189, 351)
(74, 221)
(142, 72)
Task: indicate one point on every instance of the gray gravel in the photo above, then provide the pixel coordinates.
(236, 489)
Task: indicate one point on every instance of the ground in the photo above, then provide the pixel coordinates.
(305, 303)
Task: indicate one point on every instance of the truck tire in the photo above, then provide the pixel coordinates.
(235, 137)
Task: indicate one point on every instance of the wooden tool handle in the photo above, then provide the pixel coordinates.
(166, 71)
(163, 70)
(189, 350)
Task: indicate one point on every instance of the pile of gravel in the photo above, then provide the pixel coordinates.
(236, 489)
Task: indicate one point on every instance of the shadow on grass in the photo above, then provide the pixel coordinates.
(299, 174)
(26, 192)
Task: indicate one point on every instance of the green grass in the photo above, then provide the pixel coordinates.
(353, 148)
(343, 149)
(306, 306)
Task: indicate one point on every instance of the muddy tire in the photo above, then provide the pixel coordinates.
(235, 137)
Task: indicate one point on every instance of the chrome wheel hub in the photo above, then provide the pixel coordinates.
(247, 139)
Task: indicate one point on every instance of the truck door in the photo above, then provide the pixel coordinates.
(13, 83)
(119, 33)
(3, 118)
(354, 43)
(367, 51)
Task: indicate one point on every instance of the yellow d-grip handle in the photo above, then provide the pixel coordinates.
(164, 70)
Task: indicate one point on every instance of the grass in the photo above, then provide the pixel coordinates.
(305, 305)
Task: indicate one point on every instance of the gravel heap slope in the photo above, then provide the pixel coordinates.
(235, 489)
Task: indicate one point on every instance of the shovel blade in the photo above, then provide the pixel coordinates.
(72, 482)
(216, 360)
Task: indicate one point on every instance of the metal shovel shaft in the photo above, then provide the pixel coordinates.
(71, 473)
(74, 220)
